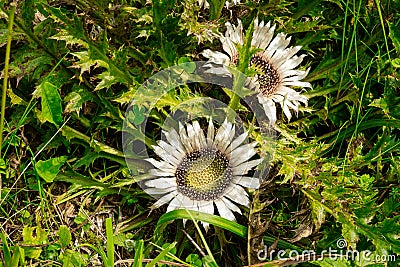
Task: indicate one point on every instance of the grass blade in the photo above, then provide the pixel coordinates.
(139, 254)
(215, 220)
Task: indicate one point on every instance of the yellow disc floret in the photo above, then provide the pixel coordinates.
(204, 174)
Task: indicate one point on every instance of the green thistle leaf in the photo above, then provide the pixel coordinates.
(51, 103)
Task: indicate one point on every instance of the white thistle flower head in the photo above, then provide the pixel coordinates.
(275, 64)
(199, 170)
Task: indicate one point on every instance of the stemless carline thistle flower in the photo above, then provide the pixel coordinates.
(275, 65)
(198, 170)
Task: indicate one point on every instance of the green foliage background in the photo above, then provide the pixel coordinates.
(75, 66)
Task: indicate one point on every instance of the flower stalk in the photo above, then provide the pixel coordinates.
(245, 54)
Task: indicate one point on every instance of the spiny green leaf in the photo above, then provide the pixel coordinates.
(87, 159)
(381, 103)
(76, 99)
(72, 26)
(309, 26)
(85, 62)
(29, 63)
(126, 97)
(69, 39)
(107, 79)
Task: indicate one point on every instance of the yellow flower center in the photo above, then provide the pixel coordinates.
(204, 174)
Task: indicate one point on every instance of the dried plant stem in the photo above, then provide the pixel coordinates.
(5, 79)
